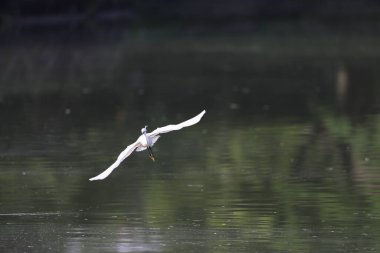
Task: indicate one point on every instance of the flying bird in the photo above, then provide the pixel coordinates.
(146, 141)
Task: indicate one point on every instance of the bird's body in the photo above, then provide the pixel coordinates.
(146, 141)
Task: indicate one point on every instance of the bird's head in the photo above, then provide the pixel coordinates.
(143, 130)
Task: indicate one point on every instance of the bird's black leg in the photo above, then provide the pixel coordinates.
(151, 154)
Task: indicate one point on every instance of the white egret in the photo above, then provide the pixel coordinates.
(146, 141)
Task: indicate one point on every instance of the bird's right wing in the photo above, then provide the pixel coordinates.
(120, 158)
(169, 128)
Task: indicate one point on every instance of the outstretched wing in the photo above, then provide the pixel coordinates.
(120, 158)
(169, 128)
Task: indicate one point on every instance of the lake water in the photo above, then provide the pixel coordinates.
(286, 159)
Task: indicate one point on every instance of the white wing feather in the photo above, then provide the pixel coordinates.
(120, 158)
(169, 128)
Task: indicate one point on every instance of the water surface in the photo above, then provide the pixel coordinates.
(286, 159)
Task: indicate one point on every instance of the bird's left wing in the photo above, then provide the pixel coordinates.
(120, 158)
(169, 128)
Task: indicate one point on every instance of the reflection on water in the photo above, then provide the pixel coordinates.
(285, 160)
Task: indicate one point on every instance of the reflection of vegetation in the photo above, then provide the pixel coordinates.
(262, 182)
(312, 181)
